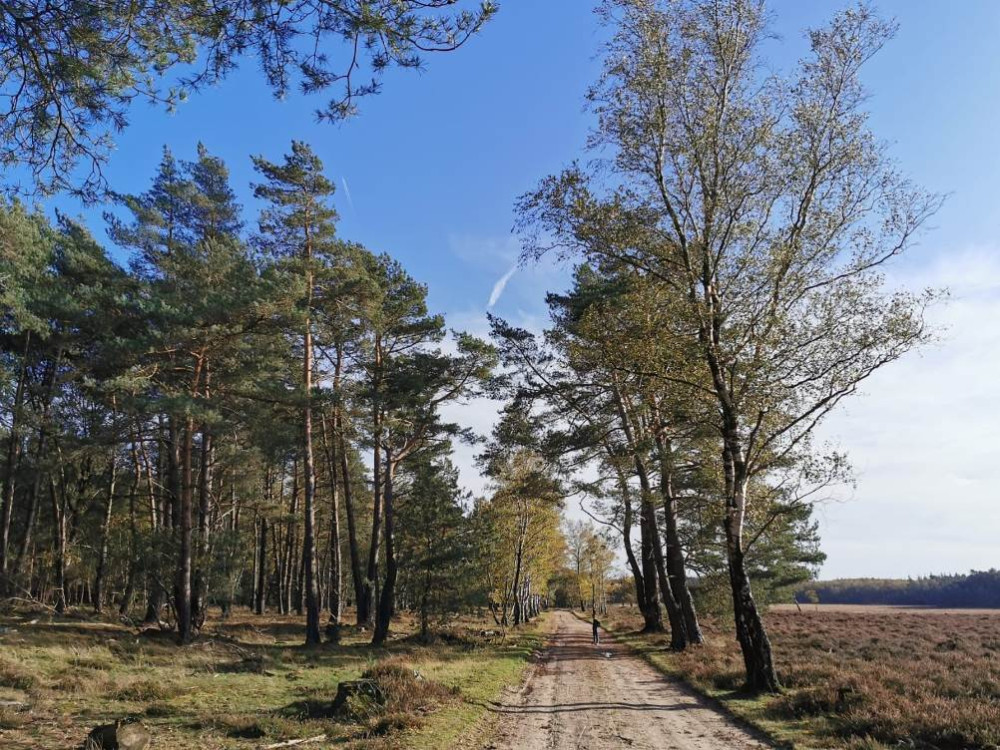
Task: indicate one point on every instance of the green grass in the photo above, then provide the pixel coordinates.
(479, 681)
(245, 682)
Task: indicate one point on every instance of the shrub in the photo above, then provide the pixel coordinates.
(406, 690)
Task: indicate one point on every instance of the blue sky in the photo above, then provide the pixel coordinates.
(434, 164)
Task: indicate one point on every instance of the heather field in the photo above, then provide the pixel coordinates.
(857, 677)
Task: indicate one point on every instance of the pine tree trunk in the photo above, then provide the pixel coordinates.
(102, 558)
(133, 528)
(627, 521)
(647, 524)
(199, 598)
(255, 568)
(516, 583)
(357, 578)
(36, 484)
(311, 575)
(678, 580)
(366, 602)
(182, 593)
(676, 571)
(296, 593)
(387, 595)
(260, 594)
(678, 634)
(279, 568)
(183, 588)
(336, 575)
(59, 544)
(651, 615)
(289, 566)
(174, 480)
(13, 459)
(159, 519)
(33, 494)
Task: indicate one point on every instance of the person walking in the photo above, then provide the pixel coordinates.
(597, 624)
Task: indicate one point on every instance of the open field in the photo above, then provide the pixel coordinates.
(856, 677)
(246, 683)
(875, 609)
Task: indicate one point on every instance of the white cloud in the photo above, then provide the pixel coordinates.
(923, 440)
(496, 258)
(923, 436)
(491, 251)
(479, 414)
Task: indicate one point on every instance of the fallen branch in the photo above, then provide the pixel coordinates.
(289, 743)
(32, 601)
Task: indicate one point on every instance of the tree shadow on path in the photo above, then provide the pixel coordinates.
(557, 708)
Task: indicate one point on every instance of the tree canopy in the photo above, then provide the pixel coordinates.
(73, 68)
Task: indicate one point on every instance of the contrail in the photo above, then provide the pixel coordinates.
(500, 286)
(347, 192)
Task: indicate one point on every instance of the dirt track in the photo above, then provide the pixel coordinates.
(595, 697)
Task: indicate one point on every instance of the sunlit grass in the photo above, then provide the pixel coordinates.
(245, 681)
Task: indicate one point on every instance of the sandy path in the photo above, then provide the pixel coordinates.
(584, 696)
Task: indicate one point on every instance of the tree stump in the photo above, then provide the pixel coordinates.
(124, 734)
(369, 690)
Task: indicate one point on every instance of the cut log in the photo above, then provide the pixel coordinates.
(122, 735)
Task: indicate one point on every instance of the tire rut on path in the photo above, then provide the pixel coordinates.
(595, 697)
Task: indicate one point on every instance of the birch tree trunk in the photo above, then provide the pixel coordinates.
(750, 631)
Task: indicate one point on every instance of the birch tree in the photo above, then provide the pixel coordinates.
(764, 209)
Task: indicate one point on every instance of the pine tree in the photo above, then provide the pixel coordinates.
(297, 227)
(203, 294)
(435, 549)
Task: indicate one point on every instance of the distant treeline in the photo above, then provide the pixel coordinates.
(977, 589)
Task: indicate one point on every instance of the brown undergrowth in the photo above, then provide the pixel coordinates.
(856, 679)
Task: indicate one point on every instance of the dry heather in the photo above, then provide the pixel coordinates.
(865, 679)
